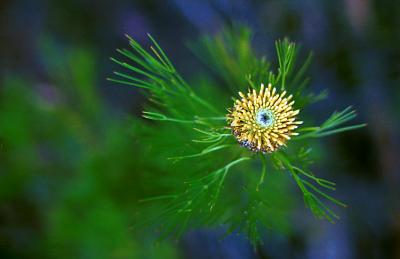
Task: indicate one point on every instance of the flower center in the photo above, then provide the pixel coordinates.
(265, 118)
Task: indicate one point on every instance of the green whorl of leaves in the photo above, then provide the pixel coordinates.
(208, 178)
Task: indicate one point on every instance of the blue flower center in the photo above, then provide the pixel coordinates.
(265, 118)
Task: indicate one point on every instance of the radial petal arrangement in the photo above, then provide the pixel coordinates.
(263, 121)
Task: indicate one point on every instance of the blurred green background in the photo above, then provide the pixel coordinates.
(71, 165)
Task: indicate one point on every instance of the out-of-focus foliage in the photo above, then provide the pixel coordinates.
(232, 58)
(69, 165)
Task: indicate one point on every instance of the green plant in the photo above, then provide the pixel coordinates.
(211, 179)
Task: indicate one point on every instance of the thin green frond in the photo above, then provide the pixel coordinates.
(331, 125)
(317, 207)
(161, 117)
(232, 58)
(211, 136)
(286, 52)
(155, 72)
(200, 191)
(206, 151)
(263, 171)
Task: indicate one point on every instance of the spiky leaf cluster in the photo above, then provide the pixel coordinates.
(209, 179)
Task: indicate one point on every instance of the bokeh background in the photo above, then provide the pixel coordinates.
(68, 162)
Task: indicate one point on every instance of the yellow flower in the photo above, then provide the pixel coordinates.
(263, 121)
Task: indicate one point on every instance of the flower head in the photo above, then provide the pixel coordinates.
(263, 121)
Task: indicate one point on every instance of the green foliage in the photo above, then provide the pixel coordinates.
(330, 126)
(66, 167)
(211, 179)
(167, 88)
(231, 57)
